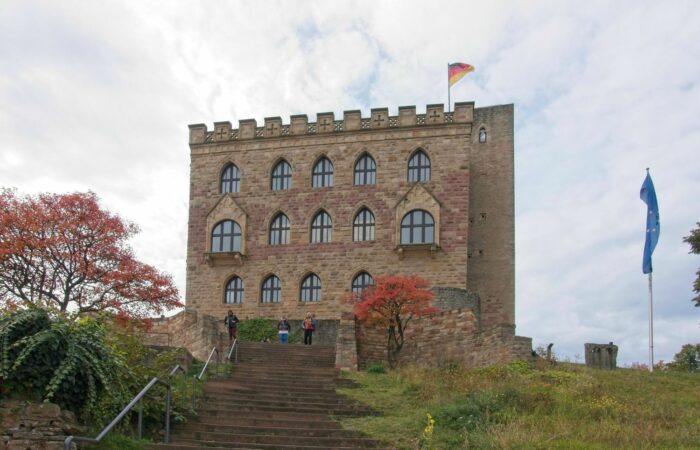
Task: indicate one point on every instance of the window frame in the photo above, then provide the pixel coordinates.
(322, 176)
(271, 290)
(281, 178)
(361, 175)
(356, 287)
(321, 232)
(220, 236)
(365, 227)
(310, 289)
(279, 232)
(232, 180)
(236, 291)
(419, 167)
(422, 226)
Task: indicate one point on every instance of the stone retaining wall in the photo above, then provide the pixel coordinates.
(35, 426)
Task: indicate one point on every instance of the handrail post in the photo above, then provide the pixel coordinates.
(194, 383)
(167, 415)
(140, 427)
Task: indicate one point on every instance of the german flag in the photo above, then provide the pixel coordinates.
(455, 72)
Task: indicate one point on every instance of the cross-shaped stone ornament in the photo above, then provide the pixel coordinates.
(434, 116)
(325, 124)
(378, 121)
(271, 128)
(220, 133)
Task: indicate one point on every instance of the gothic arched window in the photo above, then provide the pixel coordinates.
(323, 173)
(310, 289)
(417, 227)
(321, 228)
(230, 179)
(482, 135)
(279, 230)
(234, 291)
(363, 226)
(281, 176)
(271, 290)
(419, 167)
(365, 170)
(362, 281)
(226, 237)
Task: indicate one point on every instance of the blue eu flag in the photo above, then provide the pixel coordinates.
(648, 196)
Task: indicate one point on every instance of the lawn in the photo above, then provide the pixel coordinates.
(518, 406)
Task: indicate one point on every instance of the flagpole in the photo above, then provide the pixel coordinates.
(448, 87)
(651, 328)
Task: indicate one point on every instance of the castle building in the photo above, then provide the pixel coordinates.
(290, 218)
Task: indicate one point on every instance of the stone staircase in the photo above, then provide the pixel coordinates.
(277, 397)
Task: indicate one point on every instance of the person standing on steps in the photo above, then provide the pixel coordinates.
(309, 326)
(283, 328)
(231, 322)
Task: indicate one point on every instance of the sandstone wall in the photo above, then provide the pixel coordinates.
(189, 329)
(41, 426)
(445, 338)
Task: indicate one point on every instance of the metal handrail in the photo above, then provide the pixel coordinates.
(196, 378)
(233, 346)
(96, 440)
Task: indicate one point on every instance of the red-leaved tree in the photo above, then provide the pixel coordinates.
(65, 253)
(391, 303)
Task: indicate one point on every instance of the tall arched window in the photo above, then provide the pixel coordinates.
(271, 290)
(365, 170)
(482, 135)
(323, 173)
(226, 237)
(279, 230)
(362, 281)
(234, 291)
(363, 226)
(417, 227)
(310, 289)
(281, 176)
(419, 167)
(321, 228)
(230, 179)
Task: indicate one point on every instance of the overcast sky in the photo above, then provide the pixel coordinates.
(98, 95)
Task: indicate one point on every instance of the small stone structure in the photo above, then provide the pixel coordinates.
(601, 356)
(35, 426)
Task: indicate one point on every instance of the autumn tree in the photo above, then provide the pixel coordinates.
(391, 303)
(66, 253)
(694, 240)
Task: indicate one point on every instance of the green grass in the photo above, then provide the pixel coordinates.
(514, 406)
(114, 441)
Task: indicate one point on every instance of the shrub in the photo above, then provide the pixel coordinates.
(257, 330)
(376, 368)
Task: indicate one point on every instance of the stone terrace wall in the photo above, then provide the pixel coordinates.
(41, 426)
(192, 330)
(448, 337)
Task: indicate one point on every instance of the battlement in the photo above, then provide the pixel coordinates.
(352, 121)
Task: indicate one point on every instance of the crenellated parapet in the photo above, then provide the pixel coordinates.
(326, 122)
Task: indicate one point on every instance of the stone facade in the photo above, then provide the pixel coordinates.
(36, 426)
(469, 195)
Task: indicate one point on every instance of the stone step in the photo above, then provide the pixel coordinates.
(289, 403)
(288, 439)
(272, 427)
(232, 397)
(262, 419)
(271, 386)
(196, 445)
(205, 410)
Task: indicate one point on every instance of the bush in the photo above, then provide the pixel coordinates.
(687, 360)
(376, 368)
(257, 330)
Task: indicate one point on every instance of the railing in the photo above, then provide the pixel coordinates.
(136, 400)
(197, 378)
(234, 348)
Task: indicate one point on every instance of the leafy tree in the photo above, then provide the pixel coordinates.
(66, 253)
(391, 303)
(694, 240)
(687, 360)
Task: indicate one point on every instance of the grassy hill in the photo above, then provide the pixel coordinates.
(565, 406)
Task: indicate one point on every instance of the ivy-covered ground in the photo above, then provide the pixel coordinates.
(517, 406)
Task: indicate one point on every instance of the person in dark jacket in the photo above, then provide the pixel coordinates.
(231, 322)
(309, 325)
(283, 328)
